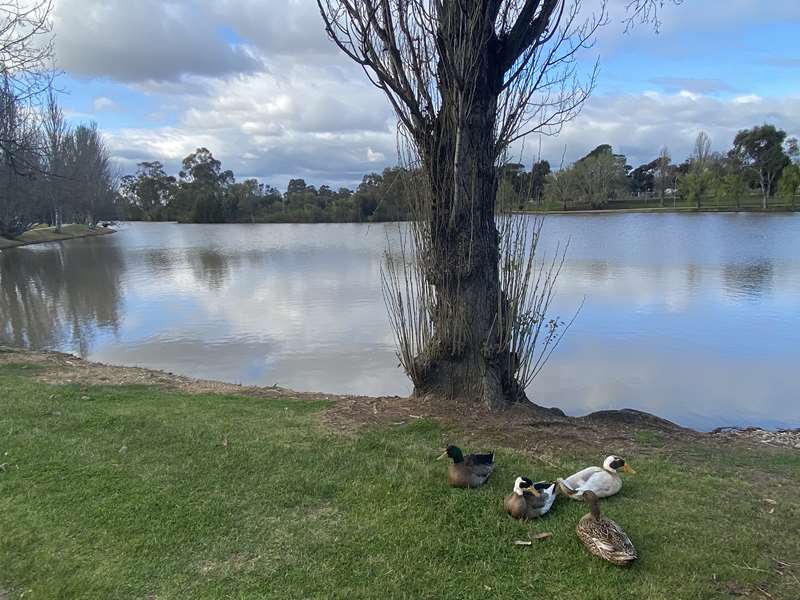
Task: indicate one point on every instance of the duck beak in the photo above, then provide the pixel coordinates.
(628, 469)
(442, 455)
(534, 491)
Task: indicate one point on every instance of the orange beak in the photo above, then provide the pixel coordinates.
(628, 469)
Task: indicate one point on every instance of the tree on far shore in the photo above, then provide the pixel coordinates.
(761, 150)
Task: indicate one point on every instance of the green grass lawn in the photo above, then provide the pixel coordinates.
(750, 203)
(136, 492)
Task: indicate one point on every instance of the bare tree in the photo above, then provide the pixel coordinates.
(664, 160)
(16, 190)
(54, 133)
(92, 175)
(701, 151)
(26, 51)
(466, 78)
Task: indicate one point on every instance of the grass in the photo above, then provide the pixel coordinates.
(137, 492)
(750, 203)
(40, 234)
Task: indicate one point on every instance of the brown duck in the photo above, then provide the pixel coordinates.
(603, 537)
(468, 471)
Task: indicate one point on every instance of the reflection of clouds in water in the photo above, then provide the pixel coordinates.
(675, 288)
(240, 362)
(664, 287)
(676, 320)
(357, 370)
(675, 380)
(316, 301)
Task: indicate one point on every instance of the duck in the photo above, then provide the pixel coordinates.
(470, 471)
(603, 481)
(530, 500)
(602, 536)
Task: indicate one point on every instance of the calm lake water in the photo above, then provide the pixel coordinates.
(693, 317)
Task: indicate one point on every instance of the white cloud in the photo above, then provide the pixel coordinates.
(747, 99)
(373, 156)
(296, 119)
(259, 84)
(158, 40)
(638, 125)
(104, 103)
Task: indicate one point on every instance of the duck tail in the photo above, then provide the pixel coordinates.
(564, 487)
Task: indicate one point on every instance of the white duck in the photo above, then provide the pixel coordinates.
(603, 481)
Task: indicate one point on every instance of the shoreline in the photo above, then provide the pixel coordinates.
(582, 211)
(659, 209)
(626, 427)
(46, 235)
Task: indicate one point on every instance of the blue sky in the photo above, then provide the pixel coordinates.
(258, 83)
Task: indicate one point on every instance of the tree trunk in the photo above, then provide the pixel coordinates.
(464, 360)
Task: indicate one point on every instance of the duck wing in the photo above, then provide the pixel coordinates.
(482, 471)
(480, 465)
(542, 503)
(602, 483)
(606, 539)
(575, 480)
(616, 537)
(479, 459)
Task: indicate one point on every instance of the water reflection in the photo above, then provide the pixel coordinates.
(690, 316)
(61, 294)
(209, 266)
(749, 280)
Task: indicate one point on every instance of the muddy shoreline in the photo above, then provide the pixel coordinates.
(528, 427)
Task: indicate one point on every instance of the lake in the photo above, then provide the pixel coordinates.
(694, 317)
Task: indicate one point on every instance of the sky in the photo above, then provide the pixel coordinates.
(259, 84)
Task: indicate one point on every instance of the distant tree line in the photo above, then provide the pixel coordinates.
(762, 162)
(205, 193)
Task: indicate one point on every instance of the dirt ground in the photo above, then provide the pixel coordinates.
(536, 430)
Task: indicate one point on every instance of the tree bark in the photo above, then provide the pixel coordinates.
(464, 359)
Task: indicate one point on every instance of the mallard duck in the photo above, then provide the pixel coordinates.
(468, 471)
(603, 481)
(603, 537)
(530, 500)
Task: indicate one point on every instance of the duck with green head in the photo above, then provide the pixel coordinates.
(470, 471)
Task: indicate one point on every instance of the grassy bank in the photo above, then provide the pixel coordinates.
(132, 491)
(655, 209)
(624, 205)
(41, 235)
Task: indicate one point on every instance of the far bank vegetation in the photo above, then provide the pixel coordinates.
(761, 170)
